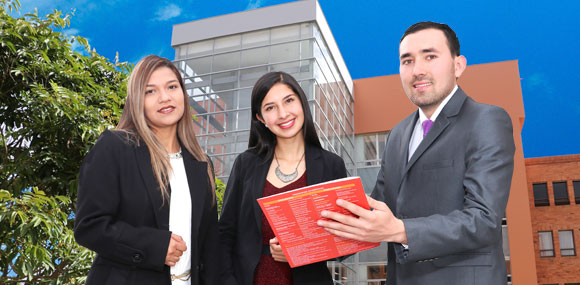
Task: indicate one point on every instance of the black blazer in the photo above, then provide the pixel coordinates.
(240, 223)
(121, 216)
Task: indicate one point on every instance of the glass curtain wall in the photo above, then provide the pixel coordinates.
(219, 74)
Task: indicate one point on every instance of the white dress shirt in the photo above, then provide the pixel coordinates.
(180, 215)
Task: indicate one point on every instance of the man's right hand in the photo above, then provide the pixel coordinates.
(365, 225)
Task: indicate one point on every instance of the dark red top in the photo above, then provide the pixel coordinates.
(268, 270)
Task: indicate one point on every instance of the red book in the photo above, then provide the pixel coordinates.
(293, 215)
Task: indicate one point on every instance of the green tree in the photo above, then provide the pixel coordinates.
(54, 102)
(37, 243)
(220, 189)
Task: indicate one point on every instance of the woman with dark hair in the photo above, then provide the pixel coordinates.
(284, 153)
(146, 200)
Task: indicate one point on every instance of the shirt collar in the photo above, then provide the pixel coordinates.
(423, 117)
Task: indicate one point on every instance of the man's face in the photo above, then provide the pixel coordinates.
(428, 70)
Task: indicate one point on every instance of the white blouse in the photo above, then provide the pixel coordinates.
(180, 214)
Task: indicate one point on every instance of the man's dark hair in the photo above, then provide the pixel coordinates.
(452, 40)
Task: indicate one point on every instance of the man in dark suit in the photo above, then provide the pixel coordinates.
(445, 175)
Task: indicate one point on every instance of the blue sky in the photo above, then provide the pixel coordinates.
(541, 35)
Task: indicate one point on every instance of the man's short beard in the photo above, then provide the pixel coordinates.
(430, 104)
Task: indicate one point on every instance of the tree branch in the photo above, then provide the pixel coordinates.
(4, 143)
(58, 270)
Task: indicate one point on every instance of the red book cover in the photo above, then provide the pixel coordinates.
(293, 215)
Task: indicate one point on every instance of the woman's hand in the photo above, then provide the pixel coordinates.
(276, 251)
(175, 250)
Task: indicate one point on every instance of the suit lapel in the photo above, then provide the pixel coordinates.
(258, 179)
(441, 123)
(198, 183)
(404, 145)
(406, 139)
(160, 208)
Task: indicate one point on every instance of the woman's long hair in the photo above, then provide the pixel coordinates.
(134, 123)
(262, 140)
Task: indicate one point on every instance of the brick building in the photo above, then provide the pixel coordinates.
(554, 187)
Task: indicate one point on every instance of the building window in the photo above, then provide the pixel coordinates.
(505, 238)
(376, 272)
(567, 243)
(576, 185)
(561, 193)
(546, 244)
(370, 149)
(541, 194)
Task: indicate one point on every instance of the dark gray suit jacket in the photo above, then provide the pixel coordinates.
(121, 216)
(451, 195)
(240, 223)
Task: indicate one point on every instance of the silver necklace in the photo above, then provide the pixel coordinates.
(287, 177)
(176, 155)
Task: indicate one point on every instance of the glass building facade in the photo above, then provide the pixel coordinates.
(219, 74)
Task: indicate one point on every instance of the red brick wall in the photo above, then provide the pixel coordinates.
(558, 269)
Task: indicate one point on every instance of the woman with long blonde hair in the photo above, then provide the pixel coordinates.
(146, 200)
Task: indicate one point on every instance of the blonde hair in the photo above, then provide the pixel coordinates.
(133, 122)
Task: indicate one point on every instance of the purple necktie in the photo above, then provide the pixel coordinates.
(426, 126)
